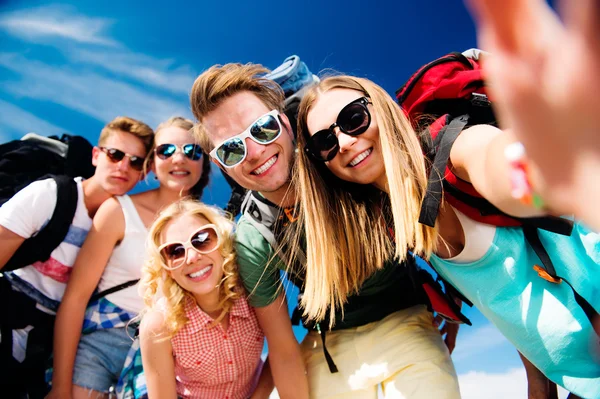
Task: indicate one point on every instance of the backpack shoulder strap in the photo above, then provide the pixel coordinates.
(114, 289)
(433, 196)
(261, 215)
(264, 216)
(40, 246)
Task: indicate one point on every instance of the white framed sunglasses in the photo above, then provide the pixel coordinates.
(233, 151)
(204, 240)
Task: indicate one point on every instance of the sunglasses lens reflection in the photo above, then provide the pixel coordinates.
(192, 151)
(164, 151)
(354, 119)
(264, 131)
(232, 152)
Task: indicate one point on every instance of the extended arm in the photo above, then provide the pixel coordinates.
(544, 77)
(24, 215)
(285, 358)
(478, 156)
(107, 230)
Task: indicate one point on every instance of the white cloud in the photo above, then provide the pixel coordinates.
(161, 73)
(16, 122)
(49, 22)
(101, 81)
(510, 384)
(475, 341)
(88, 92)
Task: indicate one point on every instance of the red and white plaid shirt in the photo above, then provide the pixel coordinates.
(211, 363)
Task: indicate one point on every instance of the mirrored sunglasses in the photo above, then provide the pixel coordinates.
(233, 151)
(191, 151)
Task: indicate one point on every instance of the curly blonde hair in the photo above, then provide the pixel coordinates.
(155, 278)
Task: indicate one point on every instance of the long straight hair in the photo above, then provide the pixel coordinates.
(346, 231)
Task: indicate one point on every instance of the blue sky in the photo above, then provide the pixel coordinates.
(71, 67)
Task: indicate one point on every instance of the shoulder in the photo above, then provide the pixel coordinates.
(30, 208)
(251, 246)
(110, 207)
(110, 216)
(41, 188)
(153, 324)
(475, 137)
(247, 235)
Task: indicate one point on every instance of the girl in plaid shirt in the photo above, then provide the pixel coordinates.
(199, 337)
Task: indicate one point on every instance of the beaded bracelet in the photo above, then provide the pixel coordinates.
(521, 187)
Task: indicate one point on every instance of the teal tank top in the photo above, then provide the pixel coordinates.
(541, 319)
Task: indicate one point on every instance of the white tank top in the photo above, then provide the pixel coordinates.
(126, 261)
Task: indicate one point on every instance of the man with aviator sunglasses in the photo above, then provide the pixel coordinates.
(36, 290)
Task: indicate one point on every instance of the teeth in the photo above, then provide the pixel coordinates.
(360, 157)
(180, 172)
(265, 166)
(200, 273)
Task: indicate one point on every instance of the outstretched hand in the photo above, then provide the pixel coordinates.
(545, 80)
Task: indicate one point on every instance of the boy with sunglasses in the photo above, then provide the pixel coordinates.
(35, 291)
(242, 125)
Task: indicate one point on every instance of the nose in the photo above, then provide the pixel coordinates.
(254, 150)
(192, 256)
(346, 141)
(123, 164)
(178, 157)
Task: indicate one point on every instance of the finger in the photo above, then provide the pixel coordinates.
(500, 19)
(582, 16)
(509, 25)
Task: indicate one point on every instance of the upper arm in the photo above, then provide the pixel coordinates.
(258, 268)
(10, 243)
(24, 215)
(477, 156)
(275, 322)
(107, 230)
(157, 357)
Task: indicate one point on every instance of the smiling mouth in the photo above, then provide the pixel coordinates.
(265, 166)
(179, 173)
(200, 273)
(360, 157)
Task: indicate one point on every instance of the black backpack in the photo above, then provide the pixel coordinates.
(34, 158)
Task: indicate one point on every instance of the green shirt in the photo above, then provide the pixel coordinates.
(259, 270)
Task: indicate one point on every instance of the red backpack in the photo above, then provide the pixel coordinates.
(452, 89)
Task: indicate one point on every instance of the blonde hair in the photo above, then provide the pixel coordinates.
(220, 82)
(187, 125)
(345, 223)
(128, 125)
(155, 277)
